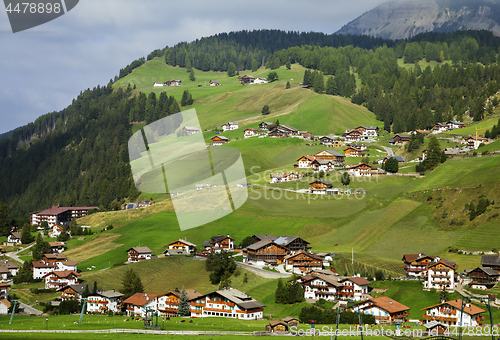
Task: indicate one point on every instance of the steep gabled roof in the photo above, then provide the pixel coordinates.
(388, 304)
(183, 241)
(141, 250)
(471, 310)
(490, 260)
(357, 280)
(140, 299)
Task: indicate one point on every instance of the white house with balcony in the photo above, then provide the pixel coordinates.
(449, 313)
(354, 288)
(441, 275)
(104, 302)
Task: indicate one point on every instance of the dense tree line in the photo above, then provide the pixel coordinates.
(289, 292)
(329, 316)
(249, 50)
(84, 159)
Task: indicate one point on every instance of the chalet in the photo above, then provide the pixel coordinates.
(158, 84)
(189, 130)
(303, 262)
(354, 288)
(441, 275)
(400, 139)
(275, 133)
(285, 177)
(449, 313)
(290, 321)
(250, 133)
(221, 243)
(144, 204)
(269, 237)
(260, 81)
(4, 291)
(168, 303)
(219, 140)
(360, 170)
(277, 326)
(180, 247)
(491, 261)
(263, 252)
(246, 79)
(353, 152)
(172, 83)
(57, 247)
(327, 141)
(352, 136)
(59, 215)
(416, 264)
(136, 254)
(323, 164)
(8, 269)
(227, 303)
(40, 268)
(4, 307)
(385, 310)
(320, 188)
(304, 162)
(292, 243)
(14, 239)
(435, 326)
(55, 230)
(439, 127)
(53, 258)
(452, 125)
(367, 131)
(264, 125)
(136, 304)
(483, 278)
(474, 142)
(59, 279)
(286, 130)
(229, 126)
(336, 158)
(306, 135)
(77, 291)
(104, 302)
(214, 83)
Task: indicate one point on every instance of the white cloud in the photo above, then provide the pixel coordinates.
(44, 68)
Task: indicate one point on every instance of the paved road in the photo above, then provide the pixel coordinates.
(389, 151)
(28, 309)
(13, 255)
(262, 272)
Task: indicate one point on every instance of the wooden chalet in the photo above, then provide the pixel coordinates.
(326, 287)
(76, 291)
(400, 139)
(449, 313)
(227, 303)
(308, 135)
(221, 243)
(330, 155)
(214, 83)
(327, 141)
(474, 142)
(304, 162)
(230, 126)
(353, 152)
(265, 251)
(180, 247)
(352, 136)
(293, 243)
(59, 279)
(136, 304)
(441, 275)
(264, 125)
(275, 133)
(277, 326)
(189, 130)
(136, 254)
(360, 170)
(416, 264)
(416, 132)
(168, 303)
(219, 140)
(322, 164)
(385, 310)
(53, 258)
(246, 79)
(250, 133)
(354, 288)
(13, 239)
(290, 321)
(491, 261)
(57, 247)
(320, 187)
(104, 302)
(483, 277)
(303, 262)
(285, 177)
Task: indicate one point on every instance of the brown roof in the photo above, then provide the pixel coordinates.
(5, 302)
(56, 244)
(301, 251)
(70, 263)
(471, 310)
(358, 280)
(63, 273)
(3, 285)
(277, 322)
(16, 234)
(140, 299)
(330, 279)
(260, 244)
(55, 256)
(41, 264)
(449, 264)
(388, 304)
(141, 250)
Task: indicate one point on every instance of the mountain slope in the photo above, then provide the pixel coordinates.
(401, 19)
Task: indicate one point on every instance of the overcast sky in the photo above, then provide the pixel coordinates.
(42, 69)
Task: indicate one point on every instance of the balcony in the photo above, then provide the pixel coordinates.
(346, 293)
(439, 318)
(221, 303)
(197, 304)
(218, 310)
(377, 317)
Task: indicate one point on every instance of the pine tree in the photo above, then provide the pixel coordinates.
(288, 65)
(331, 87)
(280, 296)
(185, 97)
(26, 236)
(41, 247)
(183, 309)
(472, 211)
(287, 85)
(5, 219)
(94, 291)
(131, 283)
(433, 153)
(265, 110)
(191, 75)
(231, 69)
(86, 292)
(319, 83)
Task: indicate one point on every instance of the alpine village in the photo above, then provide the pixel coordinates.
(372, 194)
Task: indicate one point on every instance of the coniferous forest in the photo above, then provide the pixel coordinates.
(79, 156)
